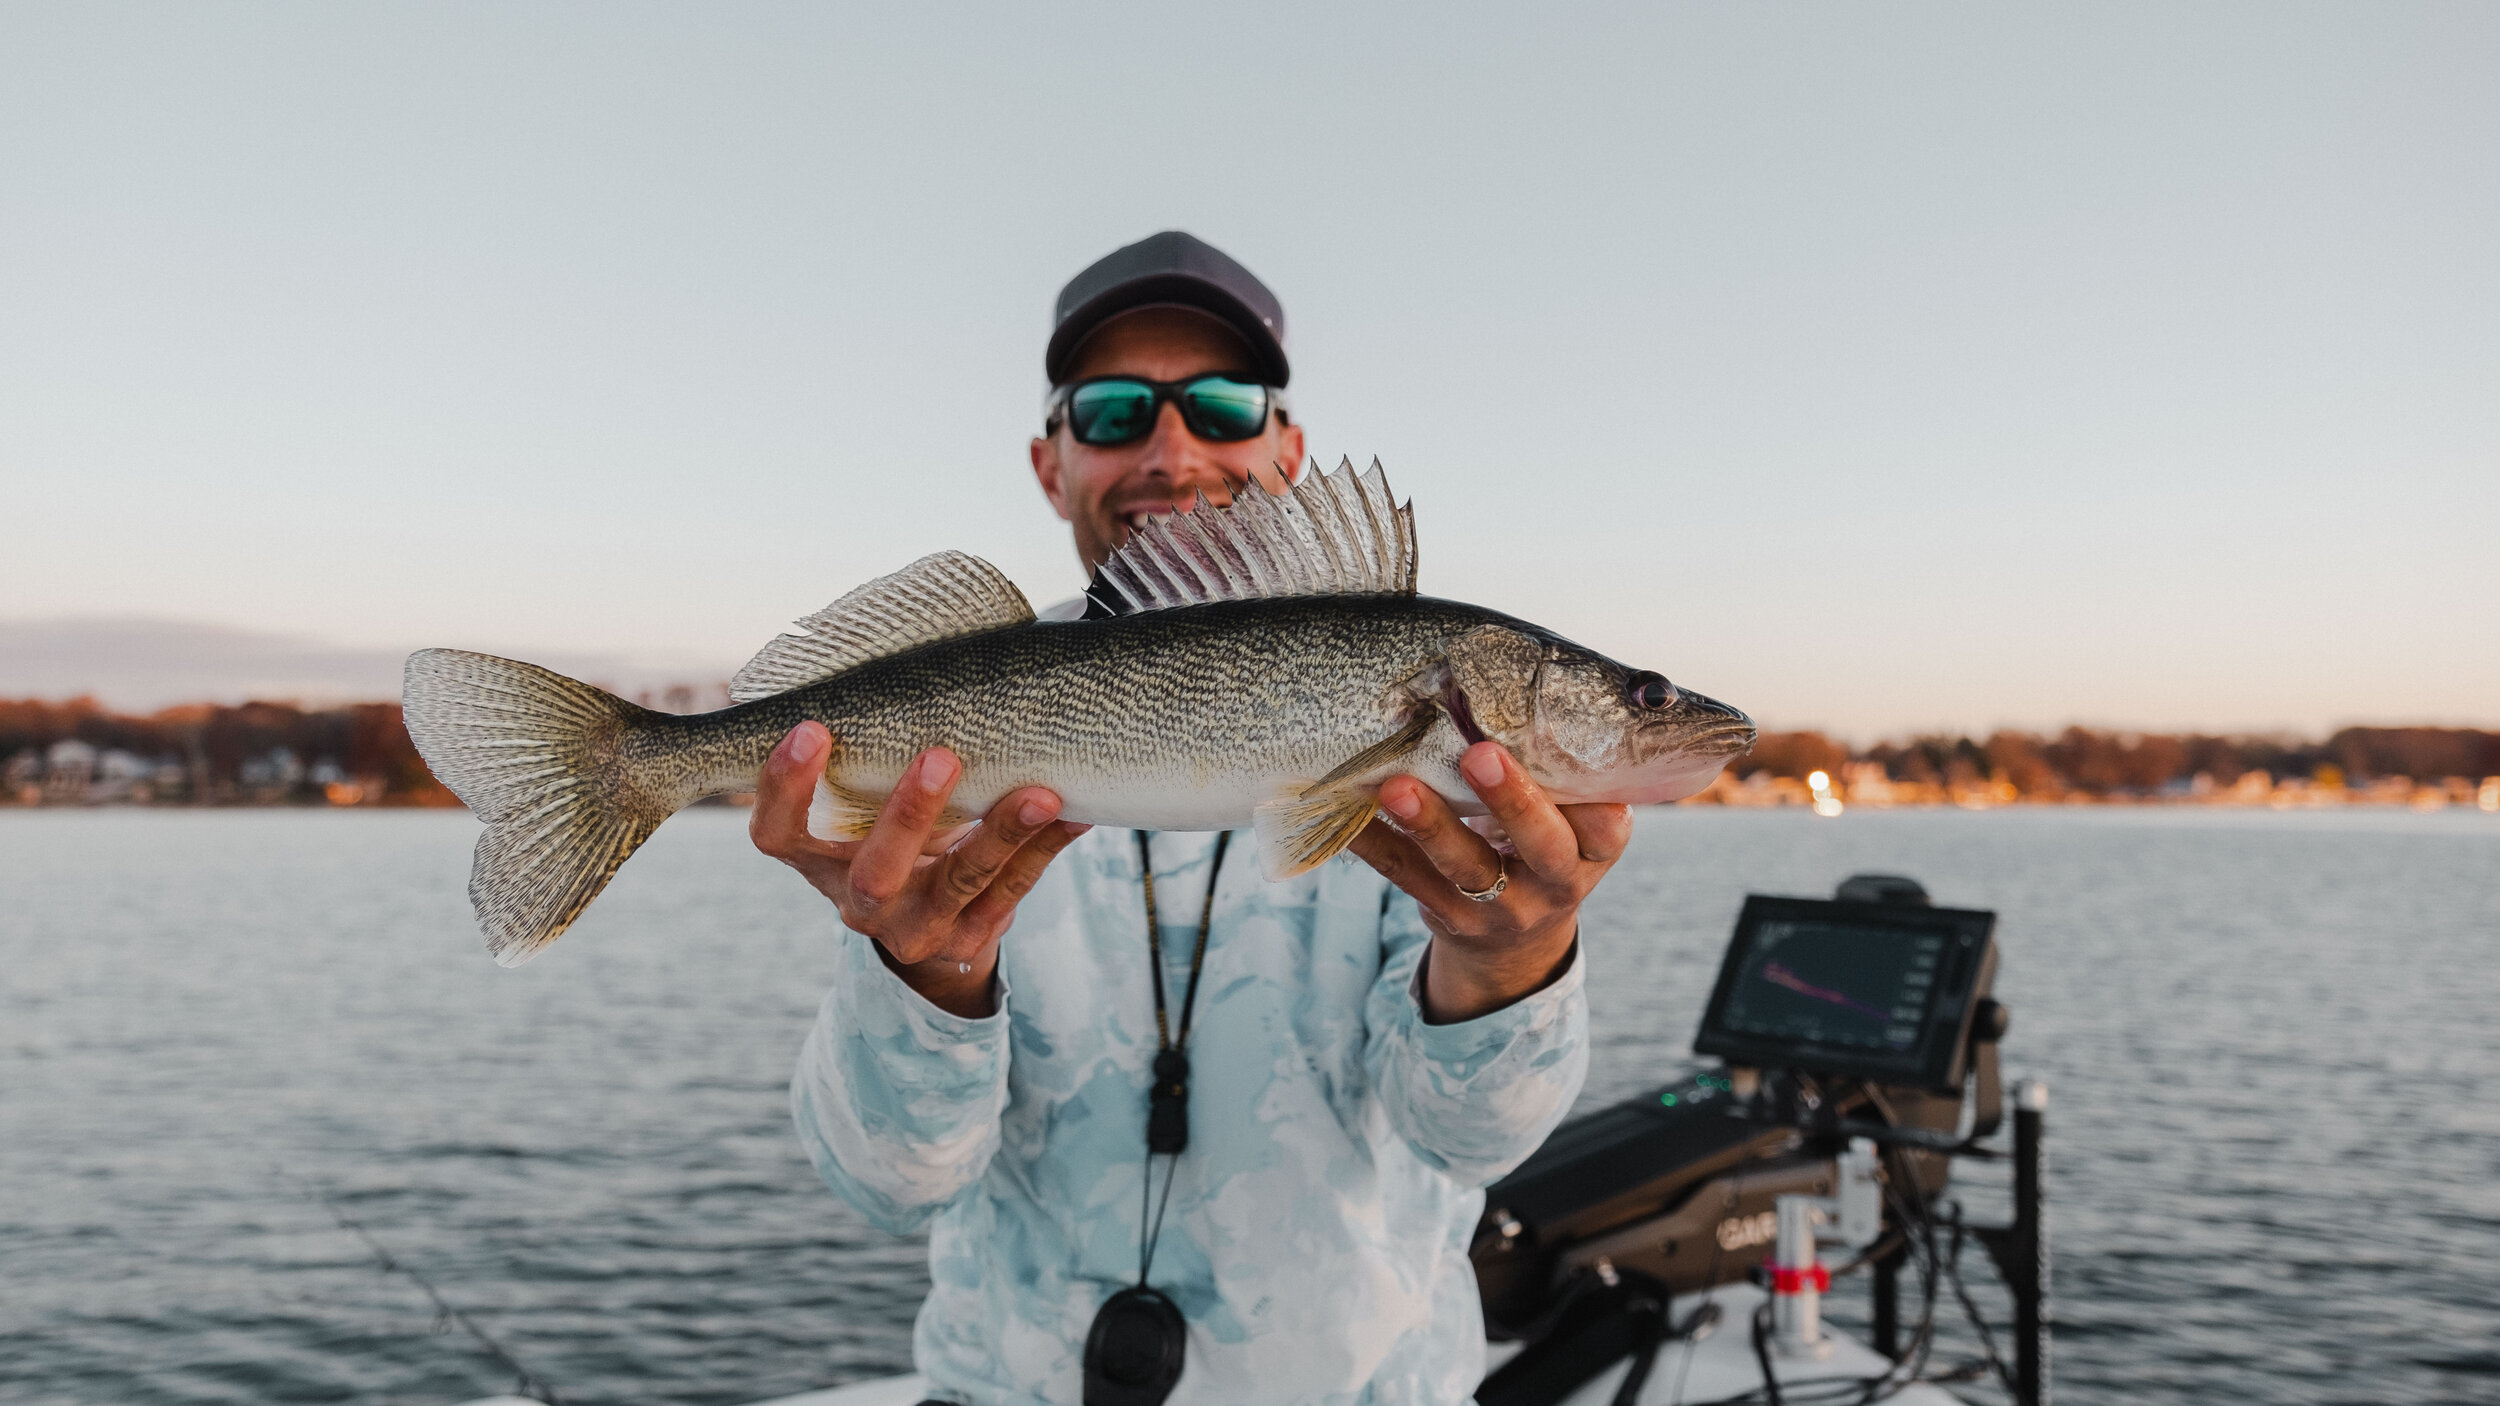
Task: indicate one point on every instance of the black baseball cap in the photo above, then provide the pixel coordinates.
(1171, 268)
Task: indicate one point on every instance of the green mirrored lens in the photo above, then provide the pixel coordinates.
(1227, 409)
(1111, 412)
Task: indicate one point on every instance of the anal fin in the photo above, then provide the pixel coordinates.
(839, 811)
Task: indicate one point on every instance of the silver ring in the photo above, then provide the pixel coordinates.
(1501, 881)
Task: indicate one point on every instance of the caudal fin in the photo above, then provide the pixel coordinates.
(540, 758)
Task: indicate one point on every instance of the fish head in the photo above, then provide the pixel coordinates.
(1586, 727)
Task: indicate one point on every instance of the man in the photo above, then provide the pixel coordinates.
(1364, 1060)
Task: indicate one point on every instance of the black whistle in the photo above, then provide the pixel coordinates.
(1167, 1105)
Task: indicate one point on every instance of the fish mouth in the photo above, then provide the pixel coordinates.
(1689, 743)
(1710, 728)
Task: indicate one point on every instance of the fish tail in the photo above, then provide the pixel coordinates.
(549, 764)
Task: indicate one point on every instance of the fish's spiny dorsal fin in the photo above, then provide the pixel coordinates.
(1331, 534)
(941, 597)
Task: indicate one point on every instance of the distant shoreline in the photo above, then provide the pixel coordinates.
(78, 753)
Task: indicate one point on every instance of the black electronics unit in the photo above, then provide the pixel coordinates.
(1885, 992)
(1864, 1015)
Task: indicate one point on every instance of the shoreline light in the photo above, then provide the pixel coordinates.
(1826, 804)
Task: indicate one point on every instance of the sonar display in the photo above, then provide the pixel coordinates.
(1834, 985)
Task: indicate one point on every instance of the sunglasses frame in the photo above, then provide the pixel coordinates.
(1056, 410)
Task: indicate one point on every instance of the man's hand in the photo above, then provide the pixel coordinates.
(1486, 955)
(935, 908)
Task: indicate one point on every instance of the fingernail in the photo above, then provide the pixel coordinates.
(1033, 812)
(1402, 803)
(1074, 828)
(937, 771)
(1484, 768)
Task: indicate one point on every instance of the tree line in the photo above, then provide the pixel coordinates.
(204, 753)
(2088, 762)
(279, 753)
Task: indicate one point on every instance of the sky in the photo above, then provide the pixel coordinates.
(1874, 368)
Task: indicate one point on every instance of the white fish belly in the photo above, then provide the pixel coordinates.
(1188, 799)
(1139, 803)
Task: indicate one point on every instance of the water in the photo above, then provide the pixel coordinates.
(2276, 1170)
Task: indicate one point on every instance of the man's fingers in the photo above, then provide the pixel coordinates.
(778, 825)
(988, 915)
(1604, 831)
(1458, 853)
(1397, 859)
(961, 876)
(1543, 839)
(901, 886)
(885, 860)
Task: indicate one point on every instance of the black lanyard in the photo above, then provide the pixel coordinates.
(1135, 1350)
(1167, 1102)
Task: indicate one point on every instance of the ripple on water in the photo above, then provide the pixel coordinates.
(2275, 1177)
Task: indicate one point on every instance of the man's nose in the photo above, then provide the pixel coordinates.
(1175, 454)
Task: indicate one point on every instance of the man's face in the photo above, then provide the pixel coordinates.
(1103, 491)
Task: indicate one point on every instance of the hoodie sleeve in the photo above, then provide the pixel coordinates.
(1473, 1098)
(898, 1102)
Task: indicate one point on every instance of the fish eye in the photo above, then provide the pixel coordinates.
(1648, 690)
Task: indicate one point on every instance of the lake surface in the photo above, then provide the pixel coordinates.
(2270, 1041)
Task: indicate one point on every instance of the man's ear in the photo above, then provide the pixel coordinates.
(1045, 451)
(1289, 451)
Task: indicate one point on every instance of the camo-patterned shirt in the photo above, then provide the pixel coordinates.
(1316, 1239)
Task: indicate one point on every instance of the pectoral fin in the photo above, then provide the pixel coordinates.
(1305, 828)
(1299, 833)
(1381, 753)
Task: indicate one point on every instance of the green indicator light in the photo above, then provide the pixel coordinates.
(1667, 1099)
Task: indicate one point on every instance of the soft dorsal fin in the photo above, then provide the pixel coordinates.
(941, 597)
(1330, 534)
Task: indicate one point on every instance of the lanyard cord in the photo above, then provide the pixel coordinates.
(1154, 939)
(1166, 1045)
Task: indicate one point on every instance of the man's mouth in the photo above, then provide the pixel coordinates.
(1135, 517)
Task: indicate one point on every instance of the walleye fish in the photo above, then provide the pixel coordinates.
(1266, 664)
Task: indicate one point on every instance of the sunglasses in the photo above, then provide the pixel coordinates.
(1108, 410)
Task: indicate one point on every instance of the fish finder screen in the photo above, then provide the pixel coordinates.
(1830, 985)
(1877, 991)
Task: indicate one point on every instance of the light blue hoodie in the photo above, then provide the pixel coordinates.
(1339, 1145)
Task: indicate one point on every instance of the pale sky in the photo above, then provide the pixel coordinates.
(1872, 367)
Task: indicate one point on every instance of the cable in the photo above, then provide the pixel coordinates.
(1762, 1352)
(1911, 1211)
(1970, 1309)
(1653, 1330)
(1718, 1253)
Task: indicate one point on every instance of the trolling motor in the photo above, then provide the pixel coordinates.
(1860, 1038)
